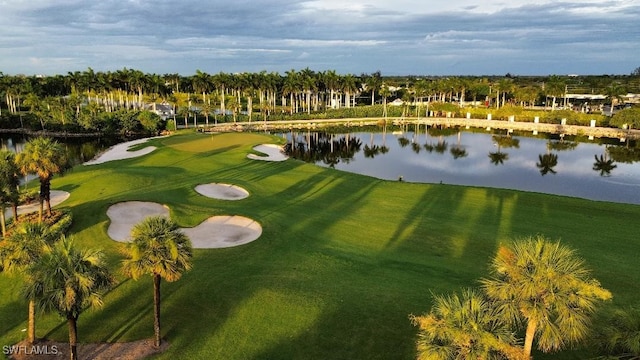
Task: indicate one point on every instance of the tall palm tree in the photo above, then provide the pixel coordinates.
(374, 82)
(160, 249)
(464, 327)
(614, 94)
(44, 157)
(544, 285)
(23, 247)
(9, 182)
(67, 280)
(554, 88)
(385, 93)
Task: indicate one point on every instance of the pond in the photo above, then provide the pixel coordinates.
(600, 169)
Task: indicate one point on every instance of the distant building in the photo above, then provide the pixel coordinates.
(164, 110)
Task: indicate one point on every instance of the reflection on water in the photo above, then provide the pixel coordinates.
(602, 169)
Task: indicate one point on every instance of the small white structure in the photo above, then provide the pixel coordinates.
(163, 110)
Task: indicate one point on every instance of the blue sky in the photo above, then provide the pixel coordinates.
(397, 37)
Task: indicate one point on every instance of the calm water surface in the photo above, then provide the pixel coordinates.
(553, 166)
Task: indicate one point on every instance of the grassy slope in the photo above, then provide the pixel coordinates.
(342, 261)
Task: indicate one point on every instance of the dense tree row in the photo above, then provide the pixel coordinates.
(79, 100)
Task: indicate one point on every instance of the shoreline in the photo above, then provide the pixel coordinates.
(631, 134)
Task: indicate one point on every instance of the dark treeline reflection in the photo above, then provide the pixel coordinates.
(330, 149)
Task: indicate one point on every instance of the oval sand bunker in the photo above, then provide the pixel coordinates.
(222, 191)
(125, 215)
(223, 231)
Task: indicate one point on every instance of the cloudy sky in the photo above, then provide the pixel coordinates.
(397, 37)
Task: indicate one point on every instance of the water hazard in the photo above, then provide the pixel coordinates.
(600, 169)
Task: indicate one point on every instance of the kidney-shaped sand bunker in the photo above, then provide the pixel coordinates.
(215, 232)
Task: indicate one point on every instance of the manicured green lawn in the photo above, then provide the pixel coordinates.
(342, 262)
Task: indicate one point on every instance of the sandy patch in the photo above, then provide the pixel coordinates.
(222, 191)
(125, 215)
(51, 350)
(223, 231)
(215, 232)
(56, 197)
(273, 153)
(120, 151)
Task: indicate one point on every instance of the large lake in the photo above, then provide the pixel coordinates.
(600, 169)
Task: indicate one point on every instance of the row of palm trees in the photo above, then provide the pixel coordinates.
(267, 92)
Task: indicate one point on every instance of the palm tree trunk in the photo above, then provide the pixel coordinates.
(3, 222)
(14, 209)
(528, 340)
(31, 335)
(73, 337)
(156, 309)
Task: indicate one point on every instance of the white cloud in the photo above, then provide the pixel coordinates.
(400, 36)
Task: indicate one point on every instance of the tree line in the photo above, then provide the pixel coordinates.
(116, 101)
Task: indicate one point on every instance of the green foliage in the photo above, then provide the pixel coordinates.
(67, 280)
(617, 335)
(60, 222)
(544, 285)
(9, 181)
(629, 117)
(151, 122)
(157, 247)
(464, 327)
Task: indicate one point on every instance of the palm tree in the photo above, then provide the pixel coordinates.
(385, 93)
(44, 157)
(614, 93)
(499, 157)
(458, 151)
(546, 286)
(68, 280)
(555, 87)
(464, 327)
(9, 182)
(546, 163)
(619, 338)
(505, 86)
(604, 165)
(160, 249)
(22, 248)
(374, 82)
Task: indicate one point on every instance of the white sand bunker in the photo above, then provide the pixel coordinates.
(125, 215)
(223, 231)
(222, 191)
(215, 232)
(120, 151)
(273, 153)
